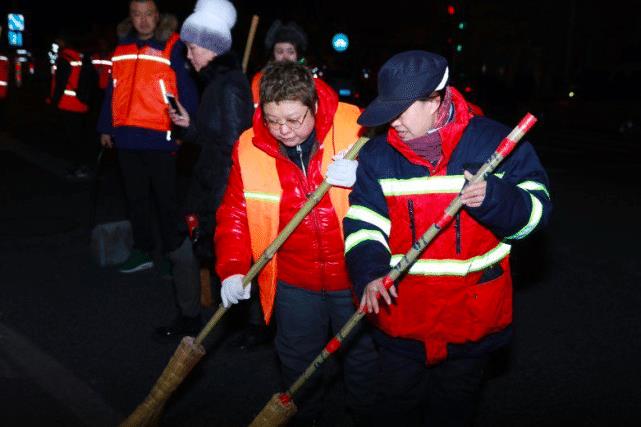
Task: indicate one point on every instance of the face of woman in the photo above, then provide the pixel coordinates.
(199, 56)
(290, 122)
(284, 51)
(417, 120)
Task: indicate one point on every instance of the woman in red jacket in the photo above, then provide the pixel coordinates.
(298, 134)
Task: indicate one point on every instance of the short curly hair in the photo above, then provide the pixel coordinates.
(288, 81)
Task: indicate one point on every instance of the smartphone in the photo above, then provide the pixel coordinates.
(173, 103)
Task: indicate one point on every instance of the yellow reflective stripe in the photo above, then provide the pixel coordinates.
(361, 213)
(455, 267)
(535, 217)
(499, 175)
(534, 186)
(361, 236)
(422, 185)
(70, 92)
(262, 196)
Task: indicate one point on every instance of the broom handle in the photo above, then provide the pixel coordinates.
(271, 250)
(503, 150)
(250, 41)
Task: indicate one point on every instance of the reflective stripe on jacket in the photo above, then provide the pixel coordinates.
(142, 77)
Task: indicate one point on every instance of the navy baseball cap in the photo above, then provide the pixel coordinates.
(404, 78)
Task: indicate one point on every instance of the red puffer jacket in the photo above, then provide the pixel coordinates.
(312, 257)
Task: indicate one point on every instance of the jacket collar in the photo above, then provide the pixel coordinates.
(450, 136)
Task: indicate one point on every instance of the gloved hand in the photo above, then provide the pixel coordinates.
(342, 172)
(232, 290)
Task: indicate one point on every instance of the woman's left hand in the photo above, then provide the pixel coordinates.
(473, 194)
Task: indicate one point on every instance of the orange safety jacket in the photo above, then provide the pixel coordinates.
(263, 193)
(142, 77)
(102, 65)
(255, 87)
(69, 100)
(4, 76)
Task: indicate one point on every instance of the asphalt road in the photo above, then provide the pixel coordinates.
(76, 346)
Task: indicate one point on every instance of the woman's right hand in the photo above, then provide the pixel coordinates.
(179, 118)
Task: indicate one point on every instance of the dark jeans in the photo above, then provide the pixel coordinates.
(414, 394)
(305, 322)
(150, 175)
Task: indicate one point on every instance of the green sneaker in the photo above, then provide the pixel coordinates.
(137, 261)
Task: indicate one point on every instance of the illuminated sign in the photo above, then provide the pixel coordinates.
(340, 42)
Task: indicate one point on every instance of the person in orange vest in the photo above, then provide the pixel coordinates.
(283, 42)
(148, 65)
(71, 106)
(299, 133)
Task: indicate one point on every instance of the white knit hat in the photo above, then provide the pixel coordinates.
(210, 24)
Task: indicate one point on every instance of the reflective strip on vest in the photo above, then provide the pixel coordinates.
(455, 267)
(535, 217)
(364, 235)
(422, 185)
(100, 62)
(262, 196)
(3, 83)
(3, 58)
(75, 63)
(361, 213)
(135, 56)
(70, 92)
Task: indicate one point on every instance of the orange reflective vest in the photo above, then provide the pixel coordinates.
(69, 100)
(255, 87)
(141, 79)
(102, 65)
(263, 191)
(4, 76)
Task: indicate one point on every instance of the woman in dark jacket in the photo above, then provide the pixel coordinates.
(225, 111)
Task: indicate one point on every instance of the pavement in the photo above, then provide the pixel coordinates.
(76, 345)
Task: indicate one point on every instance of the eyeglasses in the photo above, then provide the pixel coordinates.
(292, 124)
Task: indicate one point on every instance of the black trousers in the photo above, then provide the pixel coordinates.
(413, 394)
(151, 176)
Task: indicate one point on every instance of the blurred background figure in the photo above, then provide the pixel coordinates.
(225, 111)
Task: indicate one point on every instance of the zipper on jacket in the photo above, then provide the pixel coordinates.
(133, 85)
(457, 230)
(300, 156)
(410, 211)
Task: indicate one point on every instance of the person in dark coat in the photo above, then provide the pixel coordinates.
(225, 111)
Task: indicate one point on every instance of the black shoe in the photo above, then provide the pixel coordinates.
(183, 325)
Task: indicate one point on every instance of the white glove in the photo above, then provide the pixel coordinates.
(342, 172)
(232, 290)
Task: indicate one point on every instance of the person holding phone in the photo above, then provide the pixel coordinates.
(225, 111)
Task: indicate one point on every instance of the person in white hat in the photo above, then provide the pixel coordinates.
(225, 111)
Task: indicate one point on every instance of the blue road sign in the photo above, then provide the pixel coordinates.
(16, 22)
(15, 38)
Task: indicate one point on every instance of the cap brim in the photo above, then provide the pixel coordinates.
(380, 112)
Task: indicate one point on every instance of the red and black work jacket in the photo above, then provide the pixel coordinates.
(68, 99)
(102, 65)
(4, 76)
(459, 290)
(142, 77)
